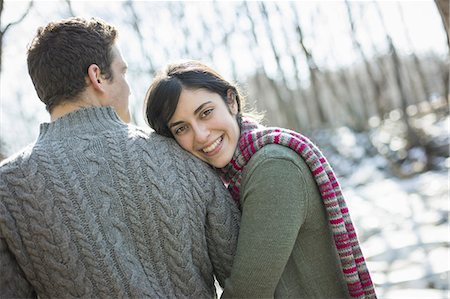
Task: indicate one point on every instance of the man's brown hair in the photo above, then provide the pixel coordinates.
(61, 52)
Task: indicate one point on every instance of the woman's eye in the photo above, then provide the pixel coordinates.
(180, 130)
(207, 112)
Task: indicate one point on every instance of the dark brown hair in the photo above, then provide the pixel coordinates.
(61, 52)
(162, 97)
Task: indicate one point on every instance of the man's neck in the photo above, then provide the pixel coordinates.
(68, 107)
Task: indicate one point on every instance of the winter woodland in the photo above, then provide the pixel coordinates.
(368, 81)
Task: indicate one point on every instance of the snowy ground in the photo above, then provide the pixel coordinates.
(404, 232)
(402, 224)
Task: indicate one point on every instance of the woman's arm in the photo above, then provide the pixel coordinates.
(274, 206)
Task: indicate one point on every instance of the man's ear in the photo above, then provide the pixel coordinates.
(94, 77)
(232, 102)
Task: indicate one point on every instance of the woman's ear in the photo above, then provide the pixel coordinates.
(232, 102)
(94, 77)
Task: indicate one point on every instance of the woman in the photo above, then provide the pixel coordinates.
(296, 237)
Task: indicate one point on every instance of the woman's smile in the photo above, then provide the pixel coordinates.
(214, 148)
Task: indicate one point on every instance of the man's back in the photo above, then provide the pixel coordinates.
(97, 208)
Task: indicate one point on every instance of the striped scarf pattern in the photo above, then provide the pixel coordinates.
(254, 137)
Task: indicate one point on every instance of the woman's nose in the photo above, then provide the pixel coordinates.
(201, 133)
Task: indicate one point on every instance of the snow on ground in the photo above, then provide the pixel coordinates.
(402, 224)
(404, 231)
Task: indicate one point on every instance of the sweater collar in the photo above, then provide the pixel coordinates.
(81, 122)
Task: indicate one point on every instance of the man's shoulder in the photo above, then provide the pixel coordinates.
(17, 158)
(149, 135)
(15, 167)
(165, 148)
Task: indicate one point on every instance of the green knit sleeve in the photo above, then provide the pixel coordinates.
(274, 205)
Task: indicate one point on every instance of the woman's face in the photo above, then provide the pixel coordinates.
(204, 125)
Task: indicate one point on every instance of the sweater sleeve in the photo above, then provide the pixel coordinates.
(222, 229)
(274, 202)
(13, 283)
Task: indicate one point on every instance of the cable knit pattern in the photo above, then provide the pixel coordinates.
(96, 208)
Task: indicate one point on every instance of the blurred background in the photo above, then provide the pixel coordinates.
(368, 81)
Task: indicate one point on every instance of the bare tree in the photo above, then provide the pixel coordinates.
(257, 54)
(412, 137)
(135, 23)
(177, 9)
(303, 111)
(207, 32)
(70, 8)
(3, 30)
(396, 65)
(380, 68)
(422, 80)
(313, 70)
(372, 78)
(287, 98)
(226, 36)
(444, 11)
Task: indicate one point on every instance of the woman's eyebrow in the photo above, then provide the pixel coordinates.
(201, 106)
(174, 124)
(196, 111)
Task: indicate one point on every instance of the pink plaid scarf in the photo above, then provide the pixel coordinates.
(253, 138)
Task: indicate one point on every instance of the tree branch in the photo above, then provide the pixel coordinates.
(27, 11)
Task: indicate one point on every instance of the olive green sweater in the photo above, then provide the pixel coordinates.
(285, 247)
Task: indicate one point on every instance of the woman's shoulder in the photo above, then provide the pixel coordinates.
(274, 154)
(277, 165)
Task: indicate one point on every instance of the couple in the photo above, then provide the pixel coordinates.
(99, 208)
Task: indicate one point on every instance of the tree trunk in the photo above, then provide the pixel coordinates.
(287, 98)
(1, 34)
(313, 70)
(227, 32)
(260, 82)
(373, 80)
(412, 136)
(3, 30)
(444, 11)
(302, 112)
(422, 78)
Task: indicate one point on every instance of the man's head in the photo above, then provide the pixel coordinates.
(75, 60)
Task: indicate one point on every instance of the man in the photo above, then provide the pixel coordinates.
(98, 208)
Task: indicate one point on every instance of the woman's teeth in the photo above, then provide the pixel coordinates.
(212, 146)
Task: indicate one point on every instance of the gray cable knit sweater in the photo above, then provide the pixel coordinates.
(100, 209)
